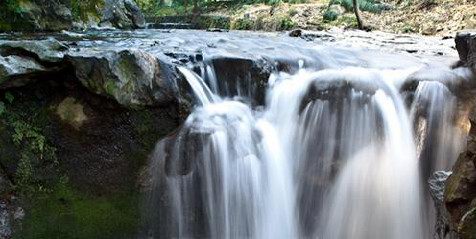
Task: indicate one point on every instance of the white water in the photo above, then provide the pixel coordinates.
(332, 155)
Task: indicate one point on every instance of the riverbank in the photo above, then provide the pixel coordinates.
(435, 17)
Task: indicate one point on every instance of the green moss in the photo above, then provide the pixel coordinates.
(110, 87)
(68, 213)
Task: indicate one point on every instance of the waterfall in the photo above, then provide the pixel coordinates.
(333, 154)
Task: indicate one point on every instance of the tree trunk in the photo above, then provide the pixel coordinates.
(357, 14)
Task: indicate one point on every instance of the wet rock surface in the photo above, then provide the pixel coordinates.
(437, 188)
(139, 67)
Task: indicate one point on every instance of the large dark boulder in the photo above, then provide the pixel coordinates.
(123, 14)
(22, 61)
(131, 77)
(466, 46)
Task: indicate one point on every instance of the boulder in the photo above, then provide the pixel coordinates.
(20, 60)
(124, 14)
(131, 77)
(466, 46)
(38, 15)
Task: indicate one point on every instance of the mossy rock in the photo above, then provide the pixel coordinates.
(467, 226)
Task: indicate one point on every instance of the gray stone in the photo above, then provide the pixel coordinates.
(19, 60)
(124, 14)
(131, 77)
(466, 46)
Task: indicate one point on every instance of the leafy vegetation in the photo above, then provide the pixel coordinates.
(33, 149)
(85, 9)
(330, 16)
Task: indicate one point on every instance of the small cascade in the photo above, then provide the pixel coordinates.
(333, 154)
(438, 140)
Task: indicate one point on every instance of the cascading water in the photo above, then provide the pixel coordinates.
(332, 154)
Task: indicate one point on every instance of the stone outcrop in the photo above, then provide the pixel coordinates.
(21, 61)
(132, 77)
(47, 15)
(36, 15)
(123, 14)
(466, 46)
(460, 190)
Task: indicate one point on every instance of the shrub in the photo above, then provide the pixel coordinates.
(330, 16)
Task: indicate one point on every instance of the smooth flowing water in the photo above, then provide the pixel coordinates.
(334, 153)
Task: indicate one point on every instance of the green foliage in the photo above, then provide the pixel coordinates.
(287, 23)
(34, 151)
(84, 9)
(10, 14)
(292, 12)
(147, 5)
(9, 97)
(32, 146)
(186, 7)
(13, 6)
(364, 5)
(408, 29)
(330, 16)
(242, 24)
(2, 108)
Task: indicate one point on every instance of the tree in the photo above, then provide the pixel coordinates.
(357, 14)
